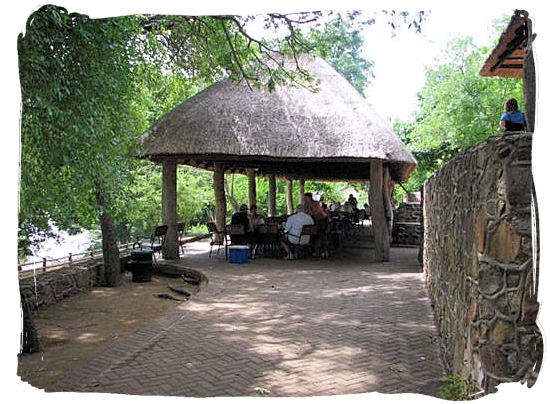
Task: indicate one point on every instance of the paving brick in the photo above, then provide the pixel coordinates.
(337, 326)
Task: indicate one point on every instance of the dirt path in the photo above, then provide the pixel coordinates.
(83, 326)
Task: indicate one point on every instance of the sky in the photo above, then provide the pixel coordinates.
(400, 61)
(399, 69)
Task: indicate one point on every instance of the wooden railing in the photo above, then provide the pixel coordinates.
(45, 264)
(52, 264)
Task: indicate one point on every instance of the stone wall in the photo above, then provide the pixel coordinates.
(407, 224)
(478, 262)
(47, 288)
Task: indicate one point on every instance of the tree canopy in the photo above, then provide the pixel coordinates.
(457, 108)
(90, 87)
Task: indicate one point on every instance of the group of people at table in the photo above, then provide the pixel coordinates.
(309, 212)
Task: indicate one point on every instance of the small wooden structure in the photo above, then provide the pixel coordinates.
(513, 57)
(331, 134)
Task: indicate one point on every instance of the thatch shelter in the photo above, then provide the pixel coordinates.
(294, 133)
(513, 57)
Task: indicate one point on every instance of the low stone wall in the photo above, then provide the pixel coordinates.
(409, 212)
(478, 262)
(47, 288)
(407, 224)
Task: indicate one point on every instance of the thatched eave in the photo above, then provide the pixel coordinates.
(292, 132)
(508, 56)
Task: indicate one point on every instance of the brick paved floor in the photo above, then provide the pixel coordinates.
(293, 328)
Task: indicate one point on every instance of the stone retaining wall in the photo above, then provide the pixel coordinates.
(47, 288)
(478, 262)
(407, 224)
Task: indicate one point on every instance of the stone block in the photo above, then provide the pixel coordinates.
(486, 309)
(491, 279)
(504, 244)
(503, 332)
(519, 183)
(493, 360)
(529, 311)
(481, 229)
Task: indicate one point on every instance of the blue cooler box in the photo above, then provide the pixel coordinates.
(238, 254)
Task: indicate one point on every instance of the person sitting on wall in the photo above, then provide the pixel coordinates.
(513, 120)
(240, 218)
(293, 230)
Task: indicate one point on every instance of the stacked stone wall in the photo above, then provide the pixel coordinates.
(46, 288)
(478, 262)
(407, 224)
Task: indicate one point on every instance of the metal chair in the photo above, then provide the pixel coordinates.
(181, 234)
(300, 250)
(156, 243)
(216, 237)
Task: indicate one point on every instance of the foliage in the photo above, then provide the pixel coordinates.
(91, 86)
(341, 45)
(75, 123)
(457, 108)
(455, 388)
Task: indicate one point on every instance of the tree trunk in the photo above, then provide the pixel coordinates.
(219, 193)
(109, 245)
(529, 82)
(289, 202)
(111, 255)
(170, 210)
(379, 223)
(271, 206)
(30, 343)
(251, 187)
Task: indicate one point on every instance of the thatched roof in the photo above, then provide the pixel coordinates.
(292, 132)
(506, 60)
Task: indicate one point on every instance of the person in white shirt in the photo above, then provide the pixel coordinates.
(293, 229)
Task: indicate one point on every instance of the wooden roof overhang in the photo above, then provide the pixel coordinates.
(507, 57)
(320, 169)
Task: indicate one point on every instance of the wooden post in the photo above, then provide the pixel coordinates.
(302, 190)
(169, 209)
(289, 202)
(379, 224)
(529, 81)
(251, 187)
(271, 207)
(219, 194)
(388, 208)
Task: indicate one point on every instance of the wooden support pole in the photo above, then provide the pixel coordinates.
(388, 207)
(379, 224)
(302, 190)
(169, 209)
(289, 202)
(219, 194)
(529, 81)
(271, 206)
(251, 187)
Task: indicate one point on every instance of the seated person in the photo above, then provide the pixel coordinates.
(255, 221)
(352, 201)
(293, 229)
(313, 208)
(512, 119)
(240, 218)
(335, 206)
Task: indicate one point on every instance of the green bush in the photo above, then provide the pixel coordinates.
(455, 388)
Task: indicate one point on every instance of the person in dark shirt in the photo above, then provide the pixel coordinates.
(512, 120)
(240, 218)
